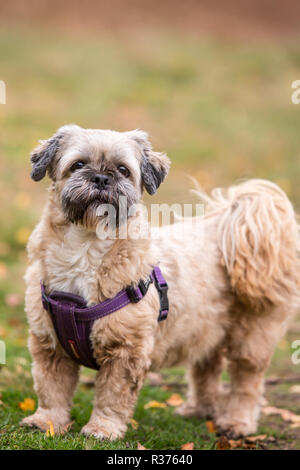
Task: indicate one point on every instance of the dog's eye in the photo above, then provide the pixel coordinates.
(122, 169)
(77, 166)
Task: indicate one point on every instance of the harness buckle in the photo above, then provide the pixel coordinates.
(136, 294)
(46, 303)
(164, 301)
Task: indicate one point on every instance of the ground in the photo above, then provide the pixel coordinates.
(221, 109)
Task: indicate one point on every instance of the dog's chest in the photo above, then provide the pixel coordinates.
(72, 265)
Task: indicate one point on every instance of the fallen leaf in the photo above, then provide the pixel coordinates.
(188, 446)
(134, 423)
(22, 235)
(210, 426)
(27, 405)
(260, 437)
(249, 445)
(14, 322)
(21, 360)
(50, 430)
(19, 369)
(140, 447)
(155, 404)
(286, 415)
(295, 389)
(13, 300)
(295, 425)
(174, 400)
(223, 443)
(3, 270)
(3, 332)
(235, 444)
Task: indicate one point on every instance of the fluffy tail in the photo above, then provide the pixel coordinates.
(259, 241)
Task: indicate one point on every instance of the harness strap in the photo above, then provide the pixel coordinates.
(73, 320)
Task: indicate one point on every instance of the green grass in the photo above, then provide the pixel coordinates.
(222, 111)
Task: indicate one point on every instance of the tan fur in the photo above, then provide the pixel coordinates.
(231, 292)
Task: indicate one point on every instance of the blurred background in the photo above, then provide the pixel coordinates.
(209, 80)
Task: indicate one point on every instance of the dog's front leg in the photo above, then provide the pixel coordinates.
(116, 389)
(55, 377)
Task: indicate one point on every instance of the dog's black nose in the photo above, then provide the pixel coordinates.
(101, 180)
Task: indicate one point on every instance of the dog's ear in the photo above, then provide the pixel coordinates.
(154, 165)
(42, 156)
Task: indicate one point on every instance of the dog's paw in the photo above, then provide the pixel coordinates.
(103, 429)
(233, 429)
(190, 411)
(42, 419)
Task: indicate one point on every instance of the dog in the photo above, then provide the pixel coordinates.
(231, 290)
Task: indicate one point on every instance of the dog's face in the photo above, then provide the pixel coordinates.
(93, 167)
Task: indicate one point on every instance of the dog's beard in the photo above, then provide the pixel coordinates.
(81, 201)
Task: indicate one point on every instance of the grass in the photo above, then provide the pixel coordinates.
(222, 111)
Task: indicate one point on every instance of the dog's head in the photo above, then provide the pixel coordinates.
(91, 167)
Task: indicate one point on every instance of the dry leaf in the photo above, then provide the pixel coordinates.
(27, 405)
(155, 404)
(19, 369)
(188, 446)
(295, 389)
(285, 414)
(223, 443)
(260, 437)
(3, 332)
(50, 430)
(295, 425)
(140, 447)
(210, 426)
(3, 270)
(13, 300)
(249, 445)
(14, 322)
(22, 235)
(235, 444)
(21, 360)
(174, 400)
(134, 423)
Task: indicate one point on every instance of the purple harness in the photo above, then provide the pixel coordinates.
(73, 320)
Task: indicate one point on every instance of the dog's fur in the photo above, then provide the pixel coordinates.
(231, 290)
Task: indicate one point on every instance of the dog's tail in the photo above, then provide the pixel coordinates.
(259, 240)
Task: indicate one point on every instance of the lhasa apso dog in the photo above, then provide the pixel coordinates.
(232, 288)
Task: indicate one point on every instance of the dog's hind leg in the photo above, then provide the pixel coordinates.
(204, 387)
(250, 347)
(55, 377)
